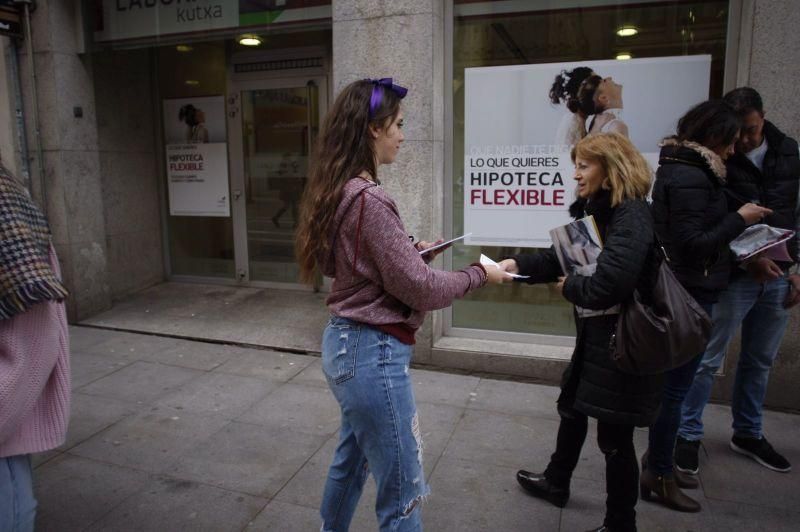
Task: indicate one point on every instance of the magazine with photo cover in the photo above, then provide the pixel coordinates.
(577, 246)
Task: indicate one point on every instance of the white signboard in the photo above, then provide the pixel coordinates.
(198, 179)
(130, 19)
(518, 175)
(197, 157)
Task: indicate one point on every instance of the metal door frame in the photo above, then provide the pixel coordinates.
(275, 80)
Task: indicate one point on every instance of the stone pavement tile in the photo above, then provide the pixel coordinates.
(312, 375)
(177, 505)
(586, 510)
(265, 364)
(74, 492)
(247, 458)
(225, 395)
(750, 518)
(86, 367)
(131, 346)
(299, 408)
(477, 496)
(436, 423)
(39, 459)
(516, 398)
(285, 517)
(728, 476)
(508, 441)
(721, 468)
(443, 388)
(306, 487)
(151, 440)
(91, 414)
(141, 381)
(81, 338)
(196, 355)
(303, 336)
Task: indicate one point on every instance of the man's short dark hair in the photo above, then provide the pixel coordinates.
(744, 100)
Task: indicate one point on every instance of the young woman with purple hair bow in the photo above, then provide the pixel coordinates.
(351, 230)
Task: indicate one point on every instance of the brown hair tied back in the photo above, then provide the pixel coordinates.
(343, 150)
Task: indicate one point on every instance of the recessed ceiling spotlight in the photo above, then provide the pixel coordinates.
(627, 31)
(249, 40)
(623, 56)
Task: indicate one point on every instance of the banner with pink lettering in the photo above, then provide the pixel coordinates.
(522, 120)
(197, 156)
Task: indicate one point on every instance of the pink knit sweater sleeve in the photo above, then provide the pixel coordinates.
(34, 379)
(403, 272)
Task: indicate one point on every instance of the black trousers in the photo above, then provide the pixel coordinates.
(622, 468)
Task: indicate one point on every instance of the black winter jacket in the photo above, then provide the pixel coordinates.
(592, 383)
(776, 187)
(692, 219)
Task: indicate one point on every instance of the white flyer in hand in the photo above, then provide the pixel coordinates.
(486, 261)
(443, 244)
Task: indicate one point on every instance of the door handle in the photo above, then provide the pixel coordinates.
(237, 194)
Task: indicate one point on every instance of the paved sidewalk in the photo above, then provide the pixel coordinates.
(171, 434)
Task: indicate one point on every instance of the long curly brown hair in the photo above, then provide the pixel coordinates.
(343, 150)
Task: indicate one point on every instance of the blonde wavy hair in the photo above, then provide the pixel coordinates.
(628, 176)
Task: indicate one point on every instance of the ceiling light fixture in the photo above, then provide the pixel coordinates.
(627, 31)
(184, 48)
(249, 40)
(623, 56)
(192, 82)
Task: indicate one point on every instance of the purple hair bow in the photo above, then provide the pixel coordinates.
(377, 93)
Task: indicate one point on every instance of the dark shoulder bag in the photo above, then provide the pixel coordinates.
(665, 334)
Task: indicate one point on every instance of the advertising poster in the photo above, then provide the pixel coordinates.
(197, 156)
(518, 175)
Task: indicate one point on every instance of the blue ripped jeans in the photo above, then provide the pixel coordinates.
(17, 503)
(367, 370)
(758, 309)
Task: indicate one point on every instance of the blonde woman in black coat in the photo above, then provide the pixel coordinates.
(613, 181)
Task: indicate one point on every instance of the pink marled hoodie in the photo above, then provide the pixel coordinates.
(390, 283)
(34, 378)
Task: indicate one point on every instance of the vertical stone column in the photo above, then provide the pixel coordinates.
(70, 153)
(404, 40)
(774, 55)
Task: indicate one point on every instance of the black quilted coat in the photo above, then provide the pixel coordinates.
(592, 384)
(692, 219)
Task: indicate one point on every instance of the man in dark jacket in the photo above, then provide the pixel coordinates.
(765, 169)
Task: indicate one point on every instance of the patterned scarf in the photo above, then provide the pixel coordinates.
(25, 274)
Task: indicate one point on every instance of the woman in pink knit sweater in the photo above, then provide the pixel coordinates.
(351, 230)
(34, 351)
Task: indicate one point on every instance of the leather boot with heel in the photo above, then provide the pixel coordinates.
(684, 480)
(664, 489)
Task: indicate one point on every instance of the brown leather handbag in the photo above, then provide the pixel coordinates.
(664, 333)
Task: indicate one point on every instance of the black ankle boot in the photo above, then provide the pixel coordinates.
(683, 480)
(537, 485)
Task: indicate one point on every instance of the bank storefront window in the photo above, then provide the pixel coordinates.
(232, 91)
(506, 56)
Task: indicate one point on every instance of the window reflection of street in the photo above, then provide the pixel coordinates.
(278, 125)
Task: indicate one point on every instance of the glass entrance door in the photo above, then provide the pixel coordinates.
(277, 124)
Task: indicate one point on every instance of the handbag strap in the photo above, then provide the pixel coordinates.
(659, 245)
